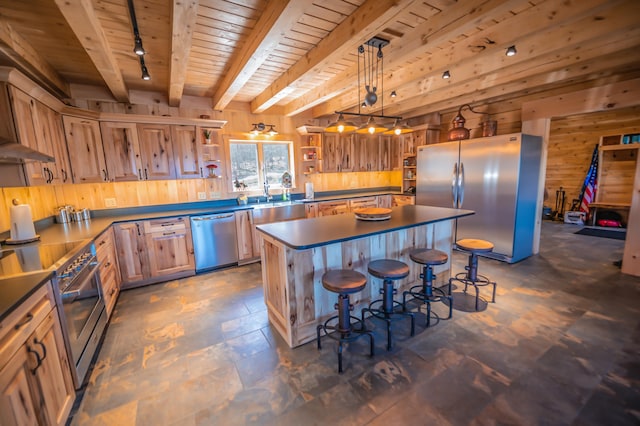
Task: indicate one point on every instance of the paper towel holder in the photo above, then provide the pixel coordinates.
(33, 238)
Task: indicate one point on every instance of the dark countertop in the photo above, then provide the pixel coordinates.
(15, 290)
(316, 199)
(313, 232)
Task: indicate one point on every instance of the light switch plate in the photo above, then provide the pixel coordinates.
(110, 202)
(202, 195)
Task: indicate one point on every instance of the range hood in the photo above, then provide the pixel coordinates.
(14, 153)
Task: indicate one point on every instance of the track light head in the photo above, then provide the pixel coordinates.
(446, 75)
(511, 51)
(138, 49)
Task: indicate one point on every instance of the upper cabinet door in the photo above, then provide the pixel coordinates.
(156, 151)
(24, 117)
(187, 152)
(122, 151)
(50, 125)
(85, 150)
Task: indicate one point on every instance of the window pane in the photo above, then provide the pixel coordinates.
(276, 160)
(244, 165)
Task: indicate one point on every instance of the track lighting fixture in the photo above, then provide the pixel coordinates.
(137, 42)
(394, 94)
(145, 71)
(446, 75)
(137, 48)
(511, 51)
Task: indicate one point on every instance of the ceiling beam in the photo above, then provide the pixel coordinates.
(183, 21)
(84, 23)
(25, 57)
(367, 20)
(435, 31)
(264, 37)
(530, 30)
(568, 64)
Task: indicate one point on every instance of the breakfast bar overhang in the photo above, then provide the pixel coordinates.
(295, 255)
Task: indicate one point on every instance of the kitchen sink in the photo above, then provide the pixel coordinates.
(277, 211)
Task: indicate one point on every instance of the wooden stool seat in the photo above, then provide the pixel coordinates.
(431, 257)
(344, 281)
(388, 269)
(475, 246)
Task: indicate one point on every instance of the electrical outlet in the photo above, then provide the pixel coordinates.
(353, 184)
(202, 195)
(215, 195)
(110, 202)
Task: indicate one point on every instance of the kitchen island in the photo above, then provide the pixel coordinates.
(295, 255)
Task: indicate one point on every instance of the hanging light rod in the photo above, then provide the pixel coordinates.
(357, 114)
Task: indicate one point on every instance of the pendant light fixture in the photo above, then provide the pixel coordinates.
(372, 58)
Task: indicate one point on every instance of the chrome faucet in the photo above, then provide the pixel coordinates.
(266, 184)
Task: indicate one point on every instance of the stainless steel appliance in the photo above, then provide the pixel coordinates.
(214, 240)
(497, 177)
(79, 298)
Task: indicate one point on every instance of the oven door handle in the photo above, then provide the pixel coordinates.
(72, 292)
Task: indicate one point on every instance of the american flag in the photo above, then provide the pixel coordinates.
(590, 185)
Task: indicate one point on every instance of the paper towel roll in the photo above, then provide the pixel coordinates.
(308, 190)
(22, 228)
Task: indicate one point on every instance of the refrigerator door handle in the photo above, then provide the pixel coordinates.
(461, 185)
(454, 185)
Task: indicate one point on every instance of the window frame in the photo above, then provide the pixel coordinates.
(260, 156)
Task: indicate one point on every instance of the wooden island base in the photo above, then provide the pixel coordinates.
(292, 277)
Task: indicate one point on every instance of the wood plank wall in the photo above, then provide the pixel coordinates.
(571, 143)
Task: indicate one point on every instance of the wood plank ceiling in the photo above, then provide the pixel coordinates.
(292, 56)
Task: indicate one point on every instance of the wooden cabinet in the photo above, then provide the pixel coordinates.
(169, 246)
(402, 200)
(384, 201)
(156, 151)
(212, 155)
(311, 153)
(122, 151)
(362, 202)
(85, 150)
(311, 210)
(366, 153)
(409, 171)
(109, 270)
(40, 128)
(187, 152)
(132, 255)
(36, 386)
(327, 208)
(337, 152)
(154, 250)
(245, 233)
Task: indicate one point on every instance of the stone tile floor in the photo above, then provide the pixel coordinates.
(560, 346)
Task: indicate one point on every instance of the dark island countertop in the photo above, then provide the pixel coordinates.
(313, 232)
(17, 289)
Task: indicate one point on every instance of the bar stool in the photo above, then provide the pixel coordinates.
(388, 270)
(471, 277)
(344, 282)
(426, 292)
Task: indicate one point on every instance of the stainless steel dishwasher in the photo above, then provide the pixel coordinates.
(214, 240)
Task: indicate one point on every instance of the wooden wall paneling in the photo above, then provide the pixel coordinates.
(631, 255)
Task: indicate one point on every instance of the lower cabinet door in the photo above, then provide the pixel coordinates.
(17, 385)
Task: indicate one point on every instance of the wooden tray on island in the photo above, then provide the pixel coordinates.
(372, 213)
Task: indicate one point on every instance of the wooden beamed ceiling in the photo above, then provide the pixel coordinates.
(300, 56)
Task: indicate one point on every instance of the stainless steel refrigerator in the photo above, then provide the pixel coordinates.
(497, 177)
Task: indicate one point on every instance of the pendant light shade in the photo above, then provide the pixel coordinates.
(398, 129)
(341, 126)
(371, 127)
